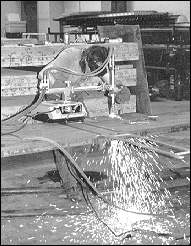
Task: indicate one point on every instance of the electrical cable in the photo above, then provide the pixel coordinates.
(119, 235)
(74, 175)
(89, 204)
(128, 233)
(27, 109)
(13, 131)
(180, 238)
(18, 129)
(69, 71)
(43, 112)
(32, 106)
(12, 135)
(84, 177)
(81, 180)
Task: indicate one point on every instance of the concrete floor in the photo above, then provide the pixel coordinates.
(172, 116)
(50, 218)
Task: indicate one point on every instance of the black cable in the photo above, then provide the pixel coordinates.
(14, 136)
(87, 199)
(180, 238)
(74, 175)
(90, 74)
(85, 180)
(129, 235)
(8, 133)
(84, 177)
(29, 108)
(23, 125)
(38, 113)
(90, 203)
(39, 97)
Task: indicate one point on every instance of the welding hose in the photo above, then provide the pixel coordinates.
(91, 74)
(21, 113)
(69, 71)
(70, 158)
(83, 175)
(84, 179)
(13, 131)
(75, 166)
(30, 107)
(27, 109)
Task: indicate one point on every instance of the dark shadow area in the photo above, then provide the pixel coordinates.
(54, 176)
(25, 161)
(41, 117)
(45, 118)
(27, 68)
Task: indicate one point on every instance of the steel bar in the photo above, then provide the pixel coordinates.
(6, 192)
(153, 140)
(23, 215)
(82, 88)
(170, 145)
(20, 191)
(159, 151)
(183, 153)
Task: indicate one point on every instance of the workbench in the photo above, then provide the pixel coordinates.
(75, 134)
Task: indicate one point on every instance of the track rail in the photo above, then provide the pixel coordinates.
(91, 128)
(116, 135)
(177, 184)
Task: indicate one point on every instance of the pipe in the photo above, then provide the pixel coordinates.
(183, 150)
(82, 88)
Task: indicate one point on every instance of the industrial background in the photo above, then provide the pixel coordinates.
(95, 104)
(41, 14)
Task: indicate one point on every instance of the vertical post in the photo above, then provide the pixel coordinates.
(131, 33)
(61, 30)
(111, 98)
(142, 92)
(67, 180)
(112, 77)
(43, 15)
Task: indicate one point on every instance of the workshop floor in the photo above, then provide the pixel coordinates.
(50, 218)
(62, 221)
